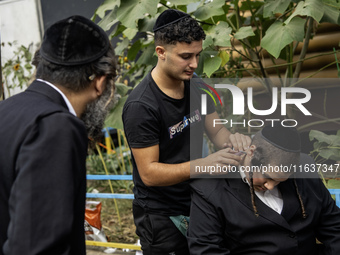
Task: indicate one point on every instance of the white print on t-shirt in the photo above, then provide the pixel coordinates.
(188, 120)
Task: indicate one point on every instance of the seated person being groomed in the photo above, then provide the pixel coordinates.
(262, 210)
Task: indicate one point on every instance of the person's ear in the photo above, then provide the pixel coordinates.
(99, 85)
(251, 149)
(160, 51)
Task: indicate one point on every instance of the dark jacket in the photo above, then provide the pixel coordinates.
(223, 222)
(42, 174)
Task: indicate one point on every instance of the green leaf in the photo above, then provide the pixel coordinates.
(207, 42)
(211, 65)
(130, 32)
(132, 10)
(117, 30)
(146, 24)
(274, 6)
(122, 89)
(28, 66)
(310, 8)
(331, 15)
(221, 34)
(105, 6)
(254, 5)
(133, 51)
(180, 2)
(244, 32)
(122, 46)
(333, 154)
(108, 21)
(332, 3)
(209, 10)
(203, 56)
(147, 56)
(321, 137)
(224, 56)
(279, 35)
(333, 183)
(114, 119)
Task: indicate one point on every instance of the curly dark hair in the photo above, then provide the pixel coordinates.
(186, 30)
(76, 78)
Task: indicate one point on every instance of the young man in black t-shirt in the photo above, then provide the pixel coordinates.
(159, 117)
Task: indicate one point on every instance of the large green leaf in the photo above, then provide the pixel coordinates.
(274, 6)
(211, 65)
(279, 35)
(321, 137)
(105, 6)
(331, 15)
(130, 32)
(108, 21)
(209, 10)
(221, 34)
(333, 154)
(180, 2)
(310, 8)
(146, 24)
(114, 119)
(332, 3)
(244, 32)
(132, 10)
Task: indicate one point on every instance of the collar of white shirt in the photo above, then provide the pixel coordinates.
(272, 198)
(70, 107)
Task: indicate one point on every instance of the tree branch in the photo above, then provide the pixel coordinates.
(304, 47)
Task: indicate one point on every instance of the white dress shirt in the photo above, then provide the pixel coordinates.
(272, 198)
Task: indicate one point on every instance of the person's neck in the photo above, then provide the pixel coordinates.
(77, 100)
(173, 88)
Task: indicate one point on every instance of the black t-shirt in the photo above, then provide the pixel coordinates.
(151, 117)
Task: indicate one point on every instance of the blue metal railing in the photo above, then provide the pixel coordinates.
(109, 195)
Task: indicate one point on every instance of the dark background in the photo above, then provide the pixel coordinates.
(54, 10)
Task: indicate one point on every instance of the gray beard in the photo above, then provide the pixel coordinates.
(95, 114)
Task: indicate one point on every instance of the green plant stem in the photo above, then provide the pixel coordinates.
(318, 122)
(309, 76)
(303, 53)
(290, 60)
(276, 69)
(111, 188)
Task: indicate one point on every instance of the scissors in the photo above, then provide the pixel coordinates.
(239, 153)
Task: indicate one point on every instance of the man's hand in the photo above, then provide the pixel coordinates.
(215, 164)
(238, 142)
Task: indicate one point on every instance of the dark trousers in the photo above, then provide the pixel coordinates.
(158, 234)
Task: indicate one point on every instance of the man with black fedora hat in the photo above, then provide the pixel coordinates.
(44, 136)
(271, 205)
(156, 123)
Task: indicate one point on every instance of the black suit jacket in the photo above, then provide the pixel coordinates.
(42, 174)
(222, 219)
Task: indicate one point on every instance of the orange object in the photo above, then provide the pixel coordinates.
(92, 214)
